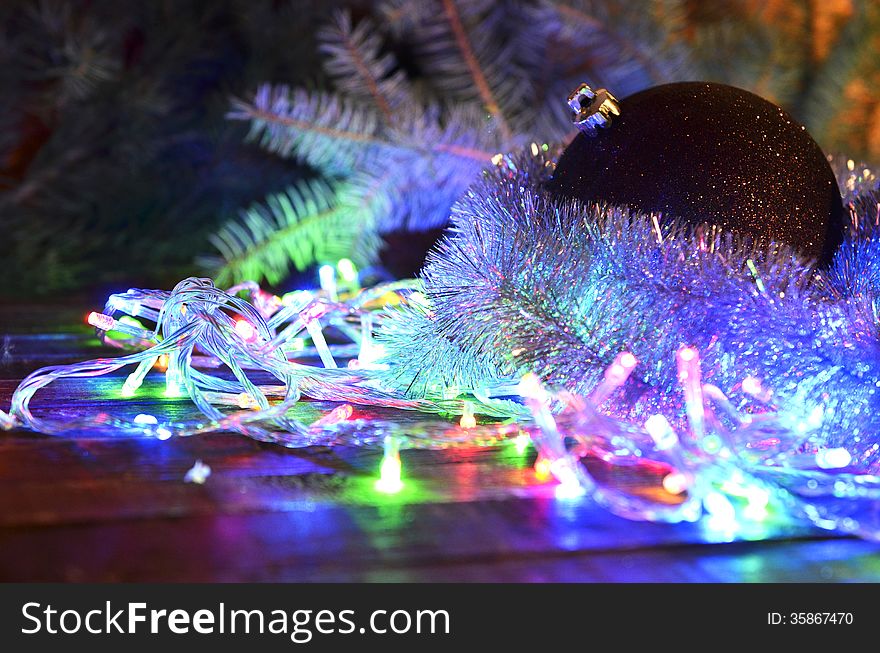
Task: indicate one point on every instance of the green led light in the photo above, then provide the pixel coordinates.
(127, 319)
(711, 444)
(347, 270)
(389, 476)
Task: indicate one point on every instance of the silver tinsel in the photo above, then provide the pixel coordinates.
(525, 283)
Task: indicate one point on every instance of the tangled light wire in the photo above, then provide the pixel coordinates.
(201, 334)
(204, 335)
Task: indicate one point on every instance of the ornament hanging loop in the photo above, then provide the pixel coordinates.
(591, 109)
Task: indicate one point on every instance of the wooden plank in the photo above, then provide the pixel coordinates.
(102, 507)
(502, 541)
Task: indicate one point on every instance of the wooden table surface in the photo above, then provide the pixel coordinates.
(98, 508)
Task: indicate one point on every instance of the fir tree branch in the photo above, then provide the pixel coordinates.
(646, 60)
(822, 97)
(473, 65)
(307, 224)
(356, 64)
(287, 230)
(381, 102)
(254, 112)
(464, 152)
(245, 111)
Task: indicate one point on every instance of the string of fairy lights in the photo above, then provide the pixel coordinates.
(246, 357)
(200, 336)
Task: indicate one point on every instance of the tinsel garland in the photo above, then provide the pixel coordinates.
(751, 375)
(525, 283)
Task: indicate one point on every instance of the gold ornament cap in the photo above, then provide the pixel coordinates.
(592, 110)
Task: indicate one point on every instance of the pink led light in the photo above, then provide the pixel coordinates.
(246, 330)
(313, 312)
(675, 483)
(101, 321)
(338, 414)
(751, 386)
(687, 354)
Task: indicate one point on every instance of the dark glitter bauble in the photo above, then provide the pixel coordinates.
(715, 154)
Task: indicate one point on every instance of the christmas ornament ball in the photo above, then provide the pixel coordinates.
(705, 153)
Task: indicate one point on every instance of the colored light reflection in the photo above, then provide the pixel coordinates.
(569, 486)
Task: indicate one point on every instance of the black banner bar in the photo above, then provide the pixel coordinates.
(277, 617)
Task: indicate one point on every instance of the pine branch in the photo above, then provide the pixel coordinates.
(405, 173)
(473, 65)
(287, 230)
(469, 49)
(69, 51)
(403, 160)
(426, 360)
(325, 130)
(328, 131)
(747, 55)
(630, 33)
(823, 96)
(357, 67)
(307, 224)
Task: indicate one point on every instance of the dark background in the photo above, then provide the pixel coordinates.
(117, 160)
